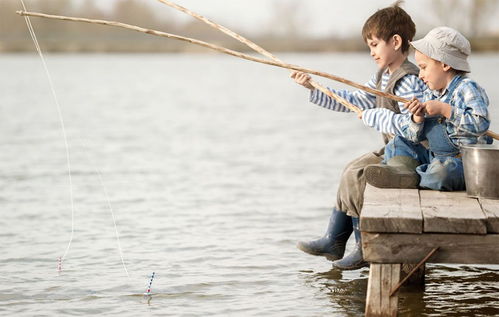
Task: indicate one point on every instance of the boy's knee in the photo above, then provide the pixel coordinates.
(355, 168)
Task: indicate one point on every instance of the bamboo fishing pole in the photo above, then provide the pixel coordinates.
(214, 47)
(264, 52)
(226, 51)
(258, 49)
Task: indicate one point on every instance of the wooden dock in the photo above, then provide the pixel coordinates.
(401, 226)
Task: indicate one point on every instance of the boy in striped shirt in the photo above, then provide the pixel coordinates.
(387, 33)
(453, 113)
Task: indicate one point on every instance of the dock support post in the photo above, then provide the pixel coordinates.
(382, 278)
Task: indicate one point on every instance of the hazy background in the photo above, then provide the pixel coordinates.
(278, 25)
(215, 167)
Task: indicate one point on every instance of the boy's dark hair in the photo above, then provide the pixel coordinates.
(389, 21)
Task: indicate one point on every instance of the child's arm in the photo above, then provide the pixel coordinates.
(468, 113)
(412, 128)
(386, 121)
(359, 98)
(302, 79)
(437, 107)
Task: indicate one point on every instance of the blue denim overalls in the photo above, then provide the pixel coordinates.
(441, 167)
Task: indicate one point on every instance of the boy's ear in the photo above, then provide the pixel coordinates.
(397, 42)
(445, 67)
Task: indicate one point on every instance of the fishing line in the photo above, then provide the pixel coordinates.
(110, 207)
(61, 120)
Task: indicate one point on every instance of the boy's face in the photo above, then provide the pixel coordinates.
(435, 74)
(383, 52)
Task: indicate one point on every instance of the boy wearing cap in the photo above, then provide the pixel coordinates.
(387, 33)
(453, 113)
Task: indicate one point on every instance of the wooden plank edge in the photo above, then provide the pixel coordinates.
(411, 248)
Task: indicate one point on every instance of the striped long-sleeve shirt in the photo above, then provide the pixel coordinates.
(381, 119)
(469, 118)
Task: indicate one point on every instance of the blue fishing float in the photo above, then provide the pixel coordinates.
(148, 292)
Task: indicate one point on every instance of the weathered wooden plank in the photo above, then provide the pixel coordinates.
(391, 210)
(390, 276)
(451, 212)
(491, 209)
(410, 248)
(382, 278)
(373, 296)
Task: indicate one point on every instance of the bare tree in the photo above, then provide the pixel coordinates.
(482, 12)
(10, 23)
(468, 16)
(89, 8)
(134, 12)
(287, 18)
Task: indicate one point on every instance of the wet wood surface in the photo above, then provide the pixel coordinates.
(382, 279)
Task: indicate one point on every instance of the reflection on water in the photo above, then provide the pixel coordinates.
(467, 287)
(215, 168)
(345, 292)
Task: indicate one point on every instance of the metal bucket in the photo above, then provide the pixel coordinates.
(481, 170)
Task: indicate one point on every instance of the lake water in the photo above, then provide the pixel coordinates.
(214, 167)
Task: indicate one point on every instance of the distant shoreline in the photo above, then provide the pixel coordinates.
(133, 44)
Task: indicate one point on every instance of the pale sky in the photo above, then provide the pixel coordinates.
(317, 17)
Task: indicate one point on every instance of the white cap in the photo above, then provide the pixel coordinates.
(446, 45)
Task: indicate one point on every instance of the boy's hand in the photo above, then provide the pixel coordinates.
(435, 107)
(302, 79)
(417, 109)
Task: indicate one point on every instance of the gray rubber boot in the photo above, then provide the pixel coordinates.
(332, 244)
(398, 172)
(354, 260)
